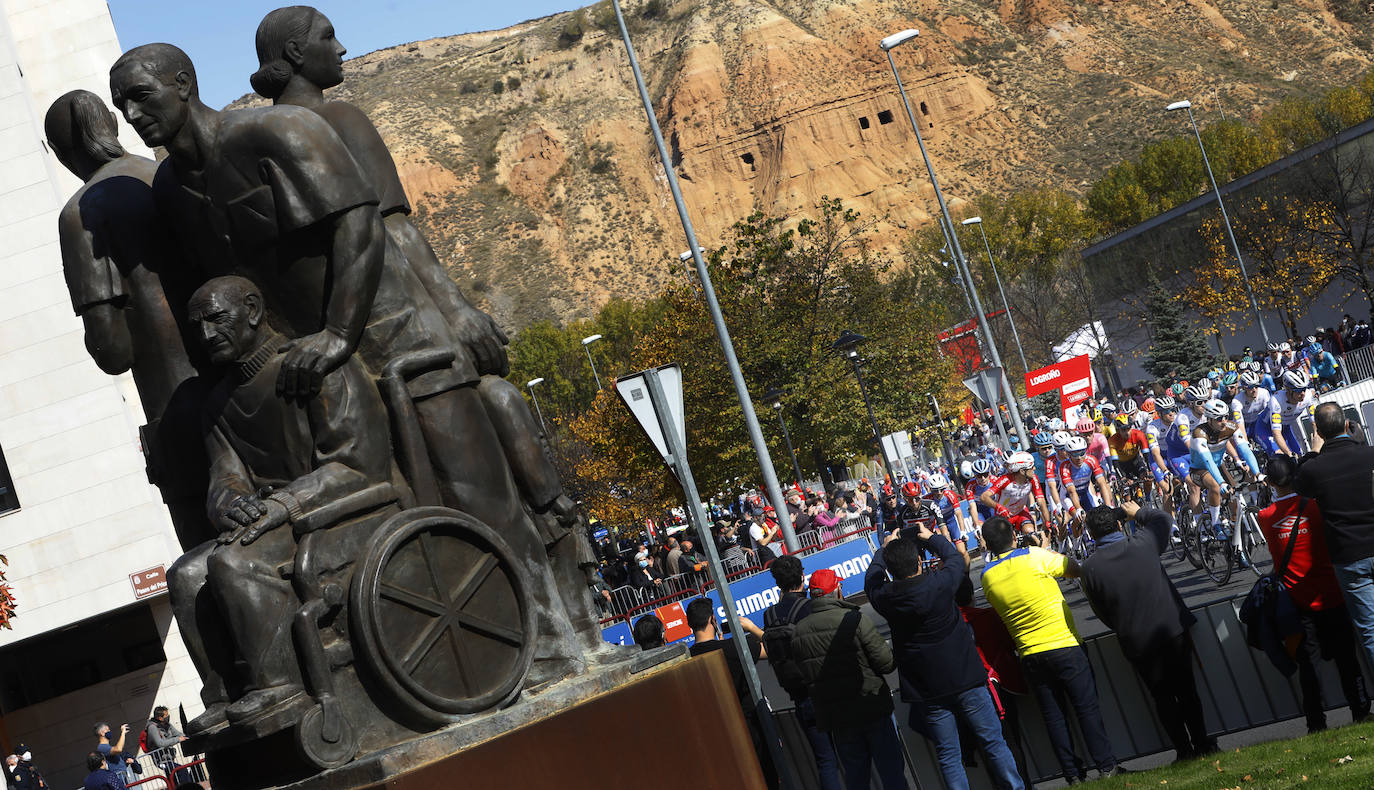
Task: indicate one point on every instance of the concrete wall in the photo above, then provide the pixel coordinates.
(88, 517)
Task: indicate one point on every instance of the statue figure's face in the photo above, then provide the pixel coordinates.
(156, 110)
(225, 324)
(322, 54)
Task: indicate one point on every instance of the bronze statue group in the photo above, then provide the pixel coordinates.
(309, 371)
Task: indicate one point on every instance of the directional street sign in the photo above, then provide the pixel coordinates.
(985, 384)
(635, 392)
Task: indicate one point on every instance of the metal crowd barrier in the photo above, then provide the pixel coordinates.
(1358, 365)
(1240, 690)
(168, 768)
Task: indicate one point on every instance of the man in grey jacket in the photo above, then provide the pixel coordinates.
(843, 659)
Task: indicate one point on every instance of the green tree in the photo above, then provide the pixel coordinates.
(1176, 347)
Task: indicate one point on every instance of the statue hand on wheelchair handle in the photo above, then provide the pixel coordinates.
(484, 339)
(307, 361)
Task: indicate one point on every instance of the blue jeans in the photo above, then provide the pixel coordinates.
(1066, 672)
(862, 748)
(827, 765)
(1357, 582)
(976, 709)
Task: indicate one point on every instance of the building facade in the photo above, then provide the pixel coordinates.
(83, 530)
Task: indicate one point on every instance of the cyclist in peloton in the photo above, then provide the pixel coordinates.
(1254, 411)
(952, 522)
(1080, 476)
(980, 474)
(1286, 408)
(1093, 440)
(1014, 494)
(1207, 444)
(1128, 444)
(1240, 442)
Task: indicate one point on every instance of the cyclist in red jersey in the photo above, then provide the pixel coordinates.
(1012, 495)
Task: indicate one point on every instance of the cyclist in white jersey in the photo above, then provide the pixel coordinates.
(1207, 445)
(1155, 432)
(1254, 411)
(1286, 408)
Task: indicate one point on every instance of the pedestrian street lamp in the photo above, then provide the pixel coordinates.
(530, 386)
(1254, 305)
(1015, 335)
(1007, 396)
(586, 346)
(773, 397)
(847, 346)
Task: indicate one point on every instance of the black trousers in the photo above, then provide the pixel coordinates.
(1168, 674)
(1327, 635)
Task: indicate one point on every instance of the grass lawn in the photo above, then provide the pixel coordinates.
(1338, 758)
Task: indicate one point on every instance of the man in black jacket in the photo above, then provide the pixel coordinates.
(1340, 477)
(936, 657)
(1130, 592)
(791, 608)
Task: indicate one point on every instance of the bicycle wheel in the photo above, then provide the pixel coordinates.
(1253, 544)
(1187, 532)
(1214, 550)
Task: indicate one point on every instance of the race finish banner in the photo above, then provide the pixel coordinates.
(753, 594)
(1072, 377)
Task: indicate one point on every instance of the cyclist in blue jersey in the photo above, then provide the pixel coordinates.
(1083, 479)
(981, 480)
(1155, 432)
(1324, 365)
(951, 508)
(1254, 411)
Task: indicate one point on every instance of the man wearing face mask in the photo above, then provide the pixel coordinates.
(19, 771)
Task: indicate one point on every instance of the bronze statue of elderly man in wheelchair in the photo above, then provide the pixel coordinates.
(359, 614)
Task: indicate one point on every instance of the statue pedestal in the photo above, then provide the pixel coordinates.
(600, 730)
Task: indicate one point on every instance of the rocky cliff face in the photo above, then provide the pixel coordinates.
(528, 157)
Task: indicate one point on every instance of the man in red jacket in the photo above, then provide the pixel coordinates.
(1311, 583)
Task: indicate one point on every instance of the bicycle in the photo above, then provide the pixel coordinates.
(1237, 540)
(1186, 527)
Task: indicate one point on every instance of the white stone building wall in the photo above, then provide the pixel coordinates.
(88, 516)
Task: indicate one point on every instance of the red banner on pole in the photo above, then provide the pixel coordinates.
(1058, 376)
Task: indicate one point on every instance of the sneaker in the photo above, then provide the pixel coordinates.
(1119, 770)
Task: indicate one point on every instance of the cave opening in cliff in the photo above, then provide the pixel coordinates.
(863, 122)
(924, 110)
(748, 160)
(885, 116)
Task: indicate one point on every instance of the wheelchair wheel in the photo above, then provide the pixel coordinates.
(442, 614)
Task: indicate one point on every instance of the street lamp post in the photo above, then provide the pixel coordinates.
(586, 346)
(530, 386)
(773, 397)
(746, 402)
(998, 277)
(1225, 220)
(887, 45)
(847, 345)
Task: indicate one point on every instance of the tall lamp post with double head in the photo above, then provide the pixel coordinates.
(773, 397)
(998, 277)
(586, 346)
(530, 385)
(1225, 220)
(1008, 397)
(847, 346)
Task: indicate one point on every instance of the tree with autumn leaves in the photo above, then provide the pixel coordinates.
(787, 288)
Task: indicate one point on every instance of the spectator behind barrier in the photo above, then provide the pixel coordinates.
(1131, 593)
(779, 627)
(1312, 586)
(648, 632)
(1338, 477)
(938, 663)
(701, 618)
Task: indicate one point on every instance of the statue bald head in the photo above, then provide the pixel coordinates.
(225, 315)
(82, 132)
(154, 86)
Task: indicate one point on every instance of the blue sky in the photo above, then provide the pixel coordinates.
(218, 34)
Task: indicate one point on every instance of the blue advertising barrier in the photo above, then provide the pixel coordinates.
(755, 593)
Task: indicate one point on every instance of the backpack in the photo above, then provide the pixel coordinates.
(777, 640)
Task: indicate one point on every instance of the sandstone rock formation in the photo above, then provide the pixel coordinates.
(527, 155)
